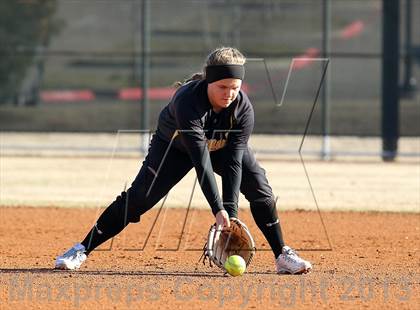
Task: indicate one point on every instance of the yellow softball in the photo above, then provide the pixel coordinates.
(235, 265)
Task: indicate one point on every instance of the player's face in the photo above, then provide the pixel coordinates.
(221, 93)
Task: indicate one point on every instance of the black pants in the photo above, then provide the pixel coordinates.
(162, 169)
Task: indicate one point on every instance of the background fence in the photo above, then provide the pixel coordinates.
(77, 65)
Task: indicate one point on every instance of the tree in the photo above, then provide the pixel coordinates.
(25, 28)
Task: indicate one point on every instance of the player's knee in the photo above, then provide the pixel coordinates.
(264, 210)
(263, 202)
(132, 204)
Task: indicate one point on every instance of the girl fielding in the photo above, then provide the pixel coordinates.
(205, 126)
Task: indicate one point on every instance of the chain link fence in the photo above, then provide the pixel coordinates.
(76, 65)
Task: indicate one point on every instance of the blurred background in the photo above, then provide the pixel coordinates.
(78, 65)
(83, 78)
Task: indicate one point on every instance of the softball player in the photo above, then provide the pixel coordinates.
(205, 126)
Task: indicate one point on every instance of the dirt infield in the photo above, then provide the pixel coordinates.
(361, 259)
(373, 262)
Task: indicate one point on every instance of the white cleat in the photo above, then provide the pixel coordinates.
(72, 259)
(290, 263)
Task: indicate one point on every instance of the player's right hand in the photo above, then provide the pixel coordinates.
(222, 220)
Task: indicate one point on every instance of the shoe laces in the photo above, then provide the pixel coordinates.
(73, 253)
(291, 255)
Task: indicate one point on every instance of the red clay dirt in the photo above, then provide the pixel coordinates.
(361, 260)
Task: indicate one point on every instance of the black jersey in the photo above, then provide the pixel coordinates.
(190, 123)
(190, 110)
